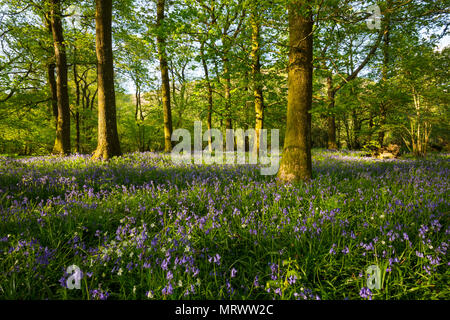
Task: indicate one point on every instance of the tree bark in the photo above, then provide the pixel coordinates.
(210, 94)
(296, 158)
(77, 103)
(257, 78)
(108, 139)
(227, 88)
(165, 85)
(62, 141)
(52, 85)
(331, 119)
(384, 70)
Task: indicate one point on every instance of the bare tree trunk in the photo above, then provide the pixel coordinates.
(165, 88)
(62, 141)
(108, 139)
(296, 158)
(257, 78)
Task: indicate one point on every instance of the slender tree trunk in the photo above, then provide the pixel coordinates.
(227, 89)
(296, 158)
(331, 119)
(77, 103)
(257, 78)
(356, 130)
(136, 117)
(52, 84)
(165, 86)
(62, 141)
(77, 127)
(384, 71)
(210, 94)
(108, 139)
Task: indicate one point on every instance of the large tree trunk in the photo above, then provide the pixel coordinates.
(165, 86)
(108, 139)
(296, 157)
(257, 78)
(62, 141)
(331, 120)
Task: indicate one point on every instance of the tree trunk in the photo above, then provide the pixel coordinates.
(227, 88)
(108, 139)
(165, 86)
(356, 130)
(77, 103)
(384, 71)
(210, 94)
(296, 158)
(257, 78)
(77, 127)
(331, 120)
(62, 141)
(52, 84)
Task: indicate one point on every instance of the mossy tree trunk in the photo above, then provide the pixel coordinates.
(296, 157)
(62, 141)
(108, 139)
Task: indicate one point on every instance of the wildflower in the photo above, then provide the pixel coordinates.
(365, 293)
(292, 279)
(99, 294)
(256, 282)
(233, 272)
(167, 290)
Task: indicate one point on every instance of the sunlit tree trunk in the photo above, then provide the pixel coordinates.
(384, 70)
(62, 141)
(257, 77)
(108, 139)
(165, 85)
(296, 157)
(210, 94)
(77, 103)
(227, 89)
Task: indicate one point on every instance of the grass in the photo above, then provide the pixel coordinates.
(139, 227)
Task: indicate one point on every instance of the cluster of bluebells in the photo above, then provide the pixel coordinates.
(141, 227)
